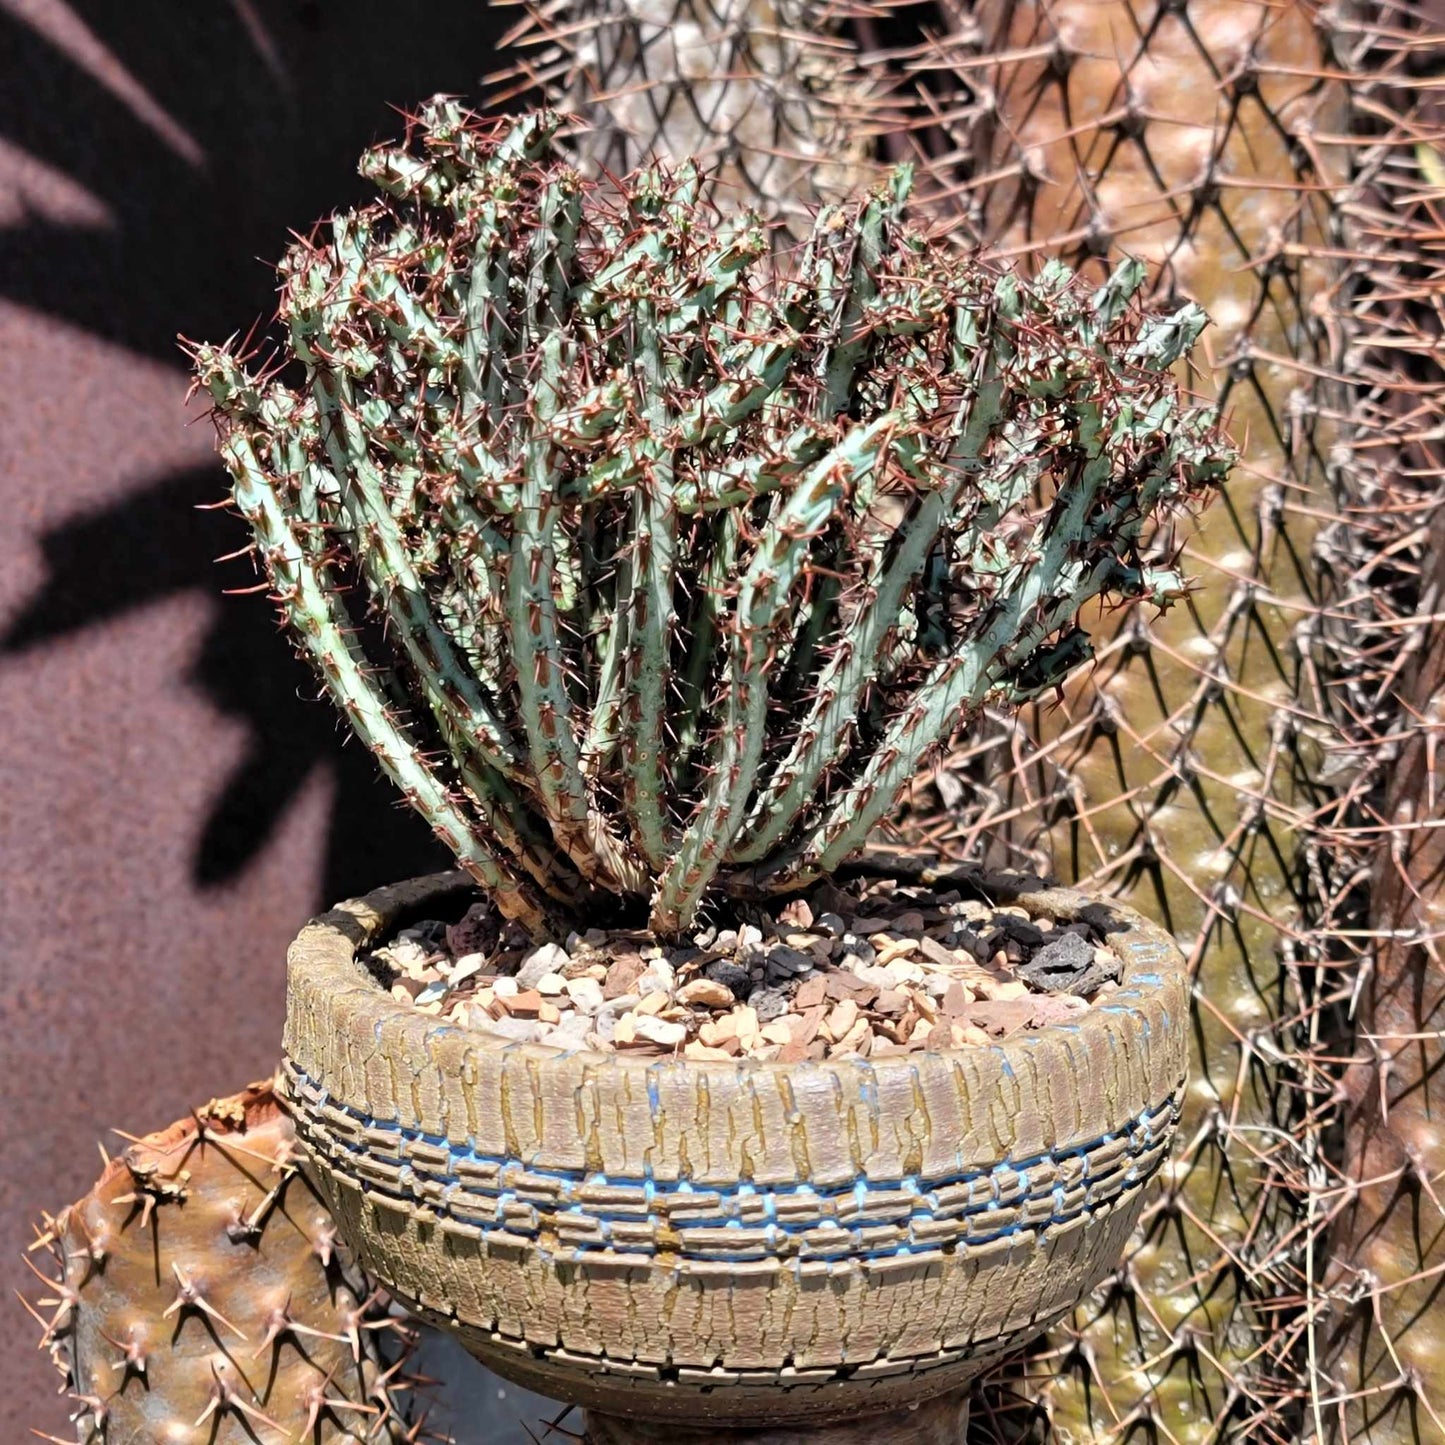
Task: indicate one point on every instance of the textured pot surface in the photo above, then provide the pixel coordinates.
(744, 1241)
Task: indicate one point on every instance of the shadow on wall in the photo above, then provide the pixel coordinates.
(155, 543)
(153, 156)
(205, 133)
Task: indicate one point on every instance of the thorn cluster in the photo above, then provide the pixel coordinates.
(167, 1325)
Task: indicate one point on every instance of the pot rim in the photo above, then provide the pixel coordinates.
(334, 940)
(1054, 1089)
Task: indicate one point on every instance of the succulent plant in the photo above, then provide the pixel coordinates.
(683, 557)
(201, 1297)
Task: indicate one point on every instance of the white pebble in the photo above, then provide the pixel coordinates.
(660, 1031)
(901, 971)
(571, 1031)
(619, 1005)
(548, 958)
(871, 973)
(660, 977)
(523, 1031)
(586, 993)
(465, 967)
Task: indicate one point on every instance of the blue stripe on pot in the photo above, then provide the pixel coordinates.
(504, 1196)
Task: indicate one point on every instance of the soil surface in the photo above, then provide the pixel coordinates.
(872, 969)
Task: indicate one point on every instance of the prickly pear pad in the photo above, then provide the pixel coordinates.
(202, 1297)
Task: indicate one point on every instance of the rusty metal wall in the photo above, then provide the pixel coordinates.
(172, 806)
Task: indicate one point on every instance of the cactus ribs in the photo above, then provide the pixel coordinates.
(685, 558)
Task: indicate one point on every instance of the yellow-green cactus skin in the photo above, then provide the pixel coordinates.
(1188, 136)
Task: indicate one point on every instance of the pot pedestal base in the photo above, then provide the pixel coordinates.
(940, 1421)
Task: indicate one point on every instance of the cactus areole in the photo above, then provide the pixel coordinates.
(684, 554)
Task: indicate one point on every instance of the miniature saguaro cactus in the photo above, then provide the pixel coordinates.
(683, 556)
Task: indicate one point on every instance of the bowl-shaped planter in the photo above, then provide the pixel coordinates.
(735, 1242)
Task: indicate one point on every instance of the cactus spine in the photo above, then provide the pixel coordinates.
(534, 417)
(1177, 771)
(764, 95)
(202, 1297)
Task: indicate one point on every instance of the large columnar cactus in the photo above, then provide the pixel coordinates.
(1211, 138)
(766, 95)
(685, 559)
(1260, 157)
(1388, 1326)
(1178, 771)
(1386, 1252)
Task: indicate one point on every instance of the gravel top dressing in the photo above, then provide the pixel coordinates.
(875, 969)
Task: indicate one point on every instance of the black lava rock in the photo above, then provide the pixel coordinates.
(1020, 930)
(784, 963)
(1067, 965)
(730, 976)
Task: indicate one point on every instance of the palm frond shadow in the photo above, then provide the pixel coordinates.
(207, 133)
(155, 544)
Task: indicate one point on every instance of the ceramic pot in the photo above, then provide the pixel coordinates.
(738, 1243)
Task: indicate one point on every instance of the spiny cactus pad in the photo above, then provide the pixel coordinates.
(684, 558)
(202, 1298)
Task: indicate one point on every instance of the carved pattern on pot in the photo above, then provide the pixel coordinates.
(664, 1237)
